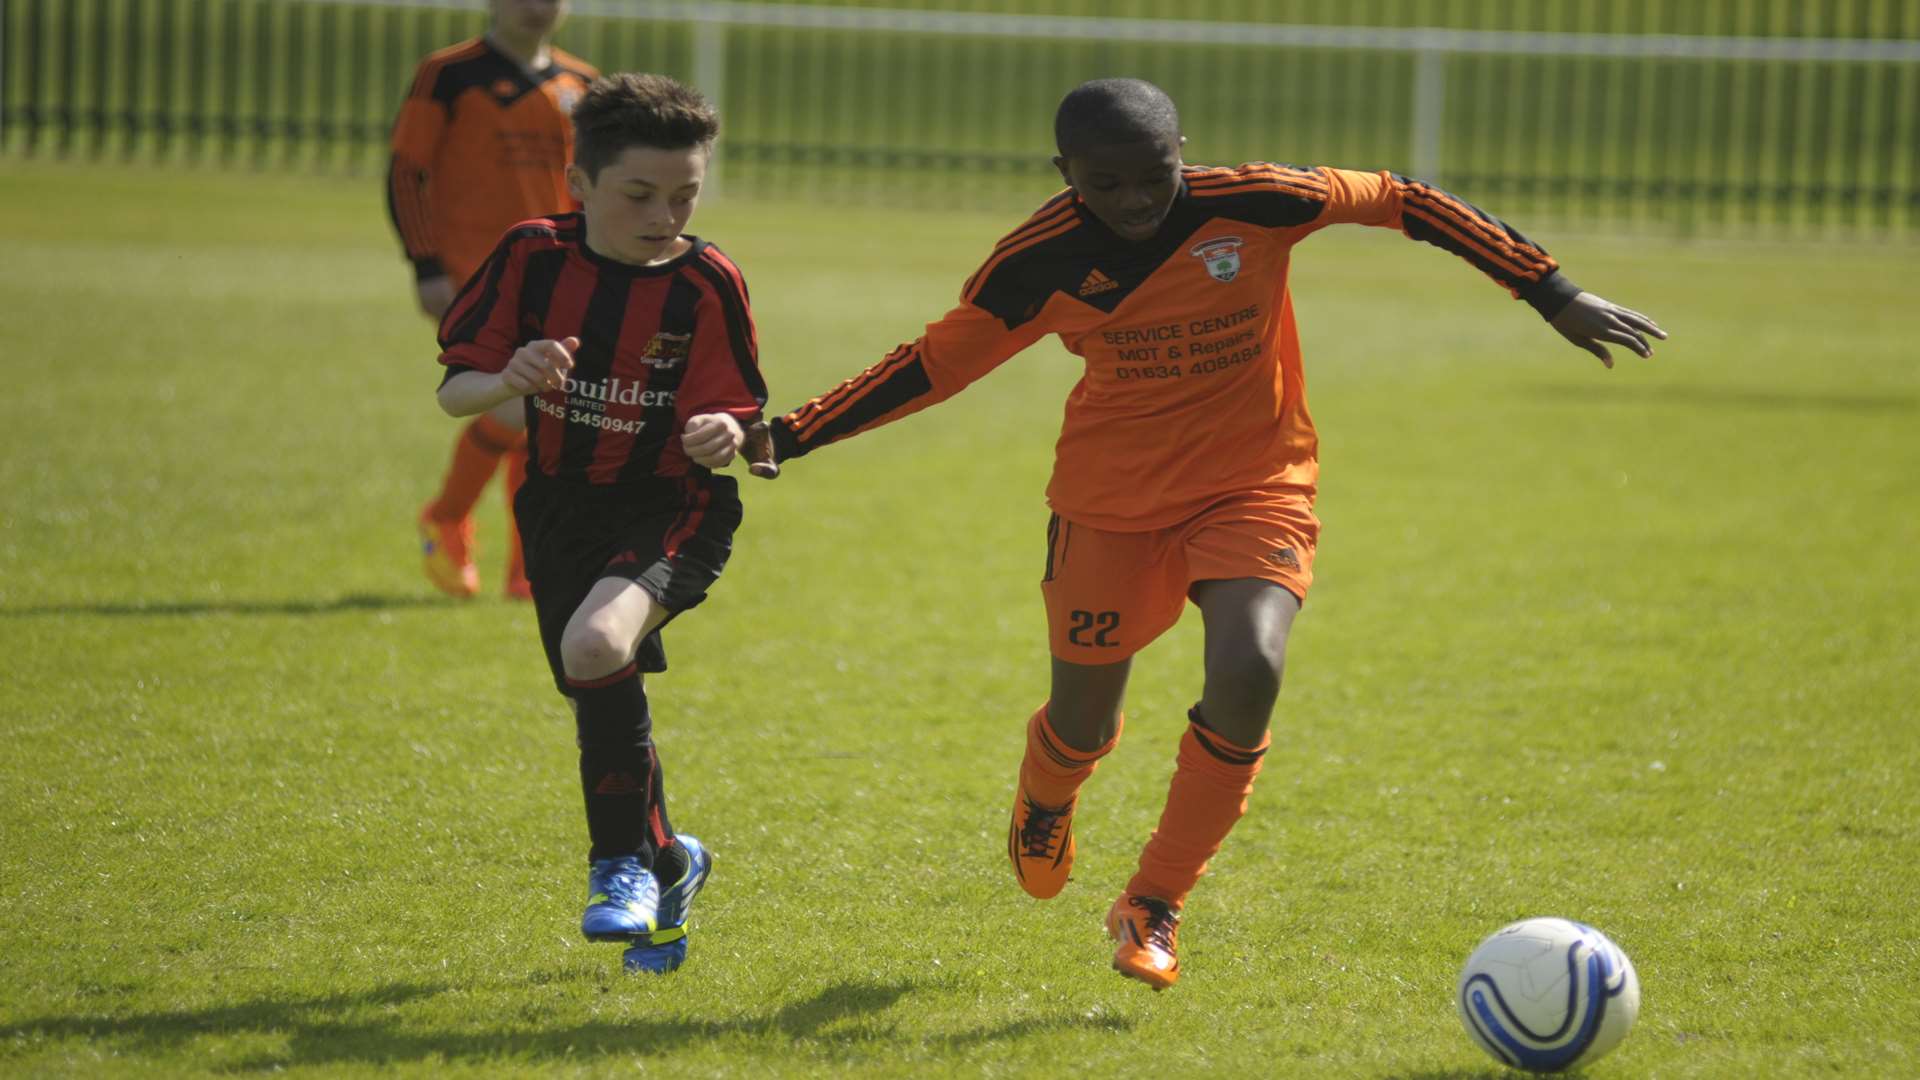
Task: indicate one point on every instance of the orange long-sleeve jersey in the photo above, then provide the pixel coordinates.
(1193, 386)
(480, 143)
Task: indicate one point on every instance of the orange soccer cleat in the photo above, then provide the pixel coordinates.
(446, 549)
(1146, 928)
(1040, 843)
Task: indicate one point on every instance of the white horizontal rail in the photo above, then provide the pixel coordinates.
(1200, 32)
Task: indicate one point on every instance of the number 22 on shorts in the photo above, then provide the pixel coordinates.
(1099, 624)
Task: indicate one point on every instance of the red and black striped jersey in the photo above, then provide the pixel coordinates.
(658, 345)
(479, 144)
(1193, 387)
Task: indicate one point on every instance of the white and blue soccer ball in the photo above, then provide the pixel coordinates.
(1548, 994)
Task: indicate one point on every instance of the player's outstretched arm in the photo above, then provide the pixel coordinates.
(1593, 323)
(534, 368)
(958, 350)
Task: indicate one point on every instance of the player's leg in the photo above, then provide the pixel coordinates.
(604, 633)
(619, 770)
(1220, 754)
(1248, 620)
(1105, 601)
(1084, 703)
(1077, 726)
(663, 565)
(1247, 623)
(446, 521)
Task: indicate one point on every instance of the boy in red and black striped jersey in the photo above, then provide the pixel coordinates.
(1187, 465)
(481, 142)
(632, 349)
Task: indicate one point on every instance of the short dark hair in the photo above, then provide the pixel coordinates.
(1108, 111)
(626, 110)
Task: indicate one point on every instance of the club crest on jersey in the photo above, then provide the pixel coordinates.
(666, 350)
(1221, 256)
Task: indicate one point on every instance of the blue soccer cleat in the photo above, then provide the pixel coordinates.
(655, 959)
(623, 901)
(676, 897)
(666, 948)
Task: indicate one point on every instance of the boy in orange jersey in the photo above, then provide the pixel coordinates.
(1187, 466)
(481, 142)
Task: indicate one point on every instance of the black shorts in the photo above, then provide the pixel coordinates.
(672, 541)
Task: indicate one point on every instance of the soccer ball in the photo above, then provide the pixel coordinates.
(1548, 994)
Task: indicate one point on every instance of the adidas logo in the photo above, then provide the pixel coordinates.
(1097, 283)
(619, 783)
(1285, 557)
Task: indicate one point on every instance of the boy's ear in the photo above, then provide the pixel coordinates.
(577, 183)
(1061, 164)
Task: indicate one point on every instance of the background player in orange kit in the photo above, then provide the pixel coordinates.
(1187, 465)
(481, 142)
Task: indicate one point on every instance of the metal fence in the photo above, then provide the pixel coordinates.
(1777, 117)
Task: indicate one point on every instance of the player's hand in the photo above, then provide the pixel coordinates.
(759, 451)
(436, 296)
(1593, 323)
(539, 366)
(712, 439)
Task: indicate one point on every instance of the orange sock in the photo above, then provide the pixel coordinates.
(475, 455)
(515, 461)
(1052, 772)
(1211, 781)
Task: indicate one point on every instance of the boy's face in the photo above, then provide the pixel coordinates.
(531, 18)
(1128, 186)
(641, 201)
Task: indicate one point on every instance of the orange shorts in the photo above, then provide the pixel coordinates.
(1109, 594)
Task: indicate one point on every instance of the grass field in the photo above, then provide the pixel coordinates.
(1637, 647)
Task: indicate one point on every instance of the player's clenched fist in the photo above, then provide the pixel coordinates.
(539, 366)
(711, 439)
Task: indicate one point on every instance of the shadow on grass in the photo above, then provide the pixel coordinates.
(161, 608)
(1726, 397)
(363, 1029)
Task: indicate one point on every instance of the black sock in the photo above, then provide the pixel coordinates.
(619, 771)
(669, 864)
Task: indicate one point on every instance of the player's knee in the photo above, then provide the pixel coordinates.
(1249, 674)
(590, 649)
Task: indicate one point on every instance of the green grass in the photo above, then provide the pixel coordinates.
(1636, 647)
